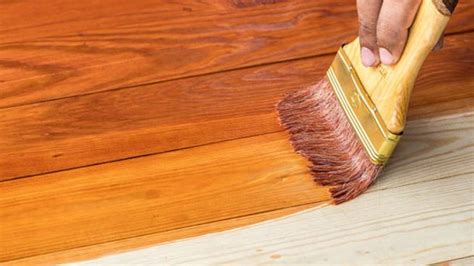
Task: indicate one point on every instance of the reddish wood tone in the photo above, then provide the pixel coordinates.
(128, 244)
(152, 194)
(121, 119)
(132, 122)
(55, 49)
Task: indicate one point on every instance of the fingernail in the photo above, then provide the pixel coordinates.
(368, 58)
(385, 56)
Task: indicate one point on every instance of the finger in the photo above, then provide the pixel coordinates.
(368, 12)
(395, 18)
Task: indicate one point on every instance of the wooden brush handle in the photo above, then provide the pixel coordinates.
(390, 86)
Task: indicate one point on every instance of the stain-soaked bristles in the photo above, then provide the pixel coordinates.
(321, 132)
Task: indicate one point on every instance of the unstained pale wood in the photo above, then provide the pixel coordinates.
(116, 125)
(466, 261)
(55, 49)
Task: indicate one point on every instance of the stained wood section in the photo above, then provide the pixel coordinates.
(442, 86)
(422, 219)
(180, 189)
(136, 243)
(156, 193)
(110, 126)
(54, 49)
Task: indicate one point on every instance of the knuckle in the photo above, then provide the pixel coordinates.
(367, 35)
(367, 27)
(387, 32)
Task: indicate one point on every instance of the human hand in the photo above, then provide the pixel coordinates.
(383, 29)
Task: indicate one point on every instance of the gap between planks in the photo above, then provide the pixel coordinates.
(433, 149)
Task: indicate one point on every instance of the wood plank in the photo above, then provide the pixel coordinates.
(442, 86)
(426, 151)
(94, 251)
(159, 193)
(152, 194)
(110, 126)
(55, 49)
(415, 224)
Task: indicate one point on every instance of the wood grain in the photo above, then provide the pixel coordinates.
(128, 123)
(179, 189)
(55, 49)
(426, 152)
(151, 194)
(136, 243)
(416, 224)
(442, 86)
(132, 122)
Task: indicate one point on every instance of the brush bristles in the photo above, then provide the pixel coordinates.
(321, 132)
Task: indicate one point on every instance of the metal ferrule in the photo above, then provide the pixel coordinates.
(362, 113)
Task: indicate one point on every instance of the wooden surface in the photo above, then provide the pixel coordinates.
(134, 123)
(424, 188)
(56, 49)
(382, 237)
(419, 215)
(201, 110)
(466, 261)
(152, 194)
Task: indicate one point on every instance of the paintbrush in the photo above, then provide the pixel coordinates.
(349, 123)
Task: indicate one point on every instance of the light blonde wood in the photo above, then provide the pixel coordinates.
(390, 86)
(466, 261)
